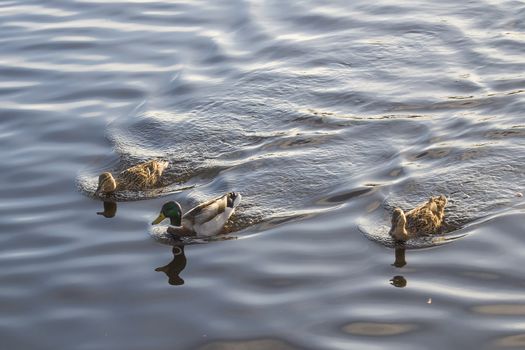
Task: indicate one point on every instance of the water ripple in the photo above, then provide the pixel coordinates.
(323, 114)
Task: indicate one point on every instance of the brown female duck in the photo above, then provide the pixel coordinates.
(425, 219)
(139, 177)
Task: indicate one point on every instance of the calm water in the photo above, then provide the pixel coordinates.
(323, 114)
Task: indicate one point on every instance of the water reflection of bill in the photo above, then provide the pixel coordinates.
(175, 266)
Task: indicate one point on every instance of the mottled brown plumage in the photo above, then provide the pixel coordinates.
(139, 177)
(425, 219)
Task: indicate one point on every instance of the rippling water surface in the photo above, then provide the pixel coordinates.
(323, 114)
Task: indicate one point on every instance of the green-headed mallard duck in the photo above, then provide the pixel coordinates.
(139, 177)
(206, 219)
(425, 219)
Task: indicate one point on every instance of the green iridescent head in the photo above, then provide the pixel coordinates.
(171, 210)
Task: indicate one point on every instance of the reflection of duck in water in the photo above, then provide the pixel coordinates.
(139, 177)
(399, 281)
(110, 209)
(175, 267)
(400, 257)
(425, 219)
(206, 219)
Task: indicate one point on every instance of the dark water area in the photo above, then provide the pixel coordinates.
(324, 114)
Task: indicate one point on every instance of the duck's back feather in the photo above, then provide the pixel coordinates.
(214, 225)
(206, 210)
(208, 218)
(426, 218)
(141, 176)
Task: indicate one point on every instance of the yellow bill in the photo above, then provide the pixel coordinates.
(159, 219)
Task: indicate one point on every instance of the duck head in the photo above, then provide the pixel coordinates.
(106, 184)
(398, 230)
(171, 210)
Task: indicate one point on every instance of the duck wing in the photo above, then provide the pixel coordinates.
(428, 217)
(210, 217)
(142, 175)
(438, 207)
(155, 167)
(207, 210)
(134, 178)
(218, 210)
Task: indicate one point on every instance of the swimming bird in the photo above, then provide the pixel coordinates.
(139, 177)
(425, 219)
(206, 219)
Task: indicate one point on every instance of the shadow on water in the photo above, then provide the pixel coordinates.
(174, 268)
(110, 200)
(162, 235)
(398, 281)
(110, 209)
(399, 262)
